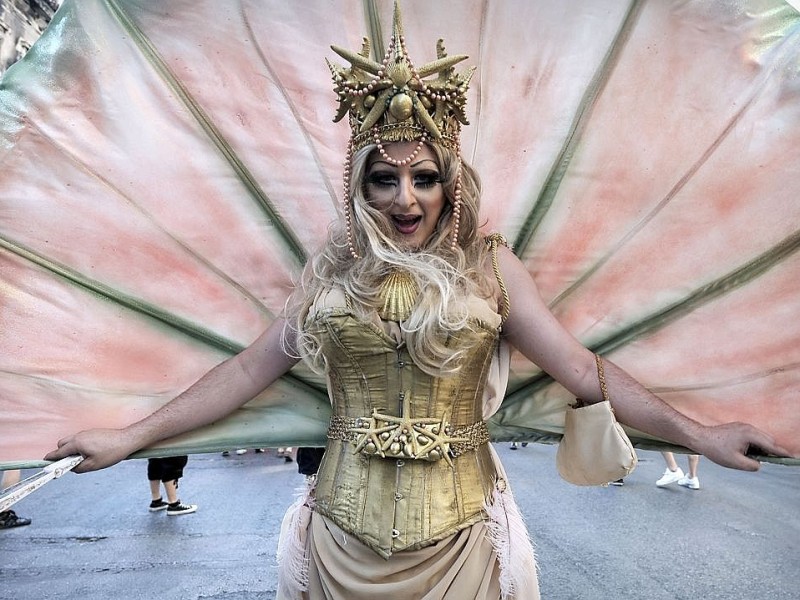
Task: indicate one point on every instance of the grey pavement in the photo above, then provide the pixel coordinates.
(93, 537)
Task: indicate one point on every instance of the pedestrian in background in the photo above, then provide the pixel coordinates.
(674, 474)
(8, 518)
(167, 471)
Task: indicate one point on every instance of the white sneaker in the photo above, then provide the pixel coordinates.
(693, 483)
(670, 477)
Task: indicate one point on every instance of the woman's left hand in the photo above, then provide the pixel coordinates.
(734, 444)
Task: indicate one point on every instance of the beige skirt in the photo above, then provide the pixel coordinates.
(337, 566)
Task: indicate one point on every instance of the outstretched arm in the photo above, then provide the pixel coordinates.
(534, 331)
(218, 393)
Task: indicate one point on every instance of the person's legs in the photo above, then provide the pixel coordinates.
(8, 518)
(669, 458)
(672, 473)
(155, 490)
(174, 504)
(156, 501)
(286, 453)
(154, 470)
(691, 480)
(172, 472)
(694, 460)
(10, 478)
(171, 487)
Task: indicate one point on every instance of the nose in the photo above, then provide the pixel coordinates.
(405, 193)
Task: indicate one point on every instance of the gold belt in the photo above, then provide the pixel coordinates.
(388, 436)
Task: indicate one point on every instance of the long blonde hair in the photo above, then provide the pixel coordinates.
(447, 275)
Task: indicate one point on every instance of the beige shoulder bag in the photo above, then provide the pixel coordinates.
(594, 450)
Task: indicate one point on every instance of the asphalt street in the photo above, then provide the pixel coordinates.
(92, 536)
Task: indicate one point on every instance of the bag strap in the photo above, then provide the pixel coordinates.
(493, 240)
(601, 375)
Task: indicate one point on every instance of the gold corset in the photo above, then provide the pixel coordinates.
(391, 499)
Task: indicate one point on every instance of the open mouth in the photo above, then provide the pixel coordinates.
(406, 224)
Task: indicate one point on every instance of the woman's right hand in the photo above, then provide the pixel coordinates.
(100, 448)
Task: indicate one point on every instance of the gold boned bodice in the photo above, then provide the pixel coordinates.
(407, 461)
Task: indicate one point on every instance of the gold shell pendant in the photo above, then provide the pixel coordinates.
(398, 294)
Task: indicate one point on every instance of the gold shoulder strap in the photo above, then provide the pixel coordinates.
(601, 376)
(493, 241)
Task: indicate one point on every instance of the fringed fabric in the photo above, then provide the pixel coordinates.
(292, 556)
(512, 543)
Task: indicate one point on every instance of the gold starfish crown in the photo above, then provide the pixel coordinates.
(391, 101)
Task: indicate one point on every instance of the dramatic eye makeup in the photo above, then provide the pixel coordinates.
(382, 178)
(423, 179)
(426, 178)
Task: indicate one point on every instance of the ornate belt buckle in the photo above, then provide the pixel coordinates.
(404, 437)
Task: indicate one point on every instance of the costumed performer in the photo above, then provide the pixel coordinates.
(410, 311)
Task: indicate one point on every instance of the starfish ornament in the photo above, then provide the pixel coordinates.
(405, 437)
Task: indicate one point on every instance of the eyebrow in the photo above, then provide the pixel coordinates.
(416, 164)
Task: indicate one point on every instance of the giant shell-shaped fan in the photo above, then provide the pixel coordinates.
(166, 169)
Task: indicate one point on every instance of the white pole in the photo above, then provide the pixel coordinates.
(18, 491)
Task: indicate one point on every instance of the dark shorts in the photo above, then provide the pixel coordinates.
(308, 460)
(166, 469)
